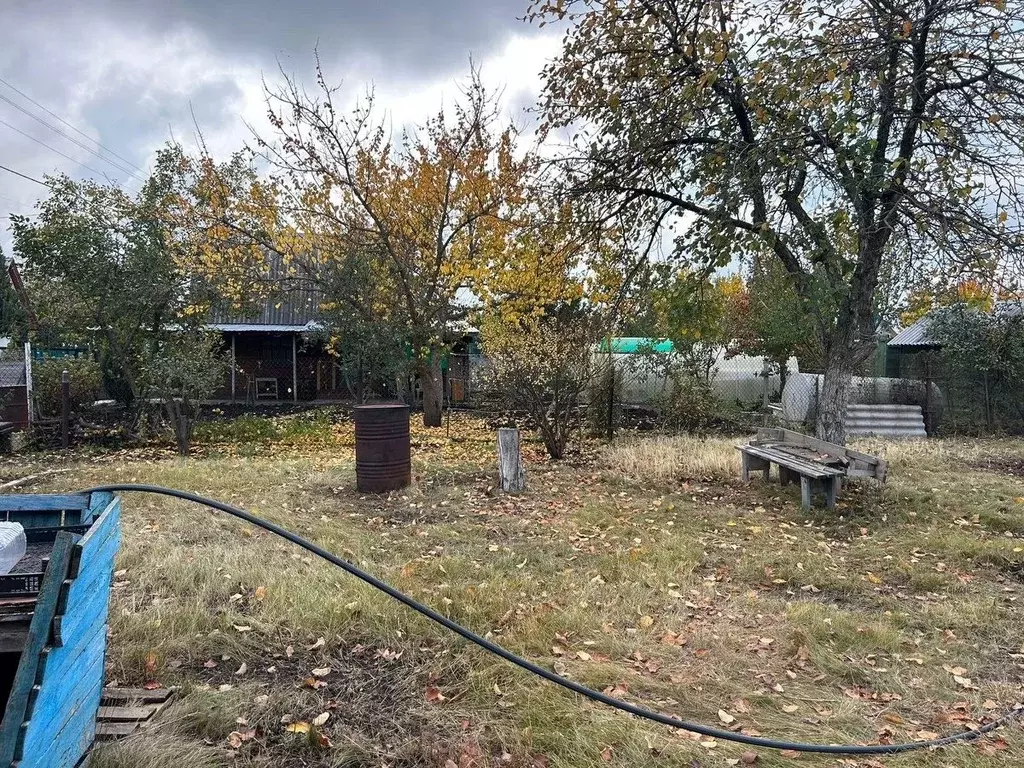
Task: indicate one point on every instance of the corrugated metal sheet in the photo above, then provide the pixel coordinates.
(295, 308)
(915, 335)
(631, 345)
(263, 328)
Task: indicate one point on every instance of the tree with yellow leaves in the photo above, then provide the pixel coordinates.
(429, 216)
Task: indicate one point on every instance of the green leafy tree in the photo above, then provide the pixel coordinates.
(188, 370)
(768, 319)
(100, 274)
(983, 362)
(827, 137)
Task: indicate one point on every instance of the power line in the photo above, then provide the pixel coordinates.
(69, 125)
(53, 149)
(24, 176)
(73, 140)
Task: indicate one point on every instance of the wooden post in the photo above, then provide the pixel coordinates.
(295, 370)
(233, 335)
(511, 474)
(29, 399)
(65, 409)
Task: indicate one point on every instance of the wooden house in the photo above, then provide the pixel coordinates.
(277, 352)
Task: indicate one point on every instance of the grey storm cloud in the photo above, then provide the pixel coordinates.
(132, 74)
(414, 36)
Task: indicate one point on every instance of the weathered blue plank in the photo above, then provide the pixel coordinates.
(65, 714)
(61, 723)
(18, 502)
(84, 600)
(54, 664)
(31, 520)
(92, 566)
(98, 503)
(38, 633)
(65, 739)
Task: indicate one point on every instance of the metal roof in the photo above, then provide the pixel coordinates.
(915, 335)
(296, 307)
(631, 345)
(263, 327)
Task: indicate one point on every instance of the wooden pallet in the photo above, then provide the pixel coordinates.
(124, 710)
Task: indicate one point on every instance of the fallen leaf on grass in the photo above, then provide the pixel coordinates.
(312, 682)
(260, 593)
(434, 695)
(320, 643)
(300, 726)
(320, 719)
(236, 738)
(209, 664)
(749, 757)
(322, 671)
(725, 717)
(790, 708)
(606, 754)
(151, 685)
(242, 628)
(991, 746)
(646, 622)
(582, 655)
(926, 735)
(242, 669)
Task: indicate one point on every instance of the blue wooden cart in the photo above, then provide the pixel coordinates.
(53, 626)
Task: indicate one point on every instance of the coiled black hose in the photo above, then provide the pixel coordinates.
(529, 666)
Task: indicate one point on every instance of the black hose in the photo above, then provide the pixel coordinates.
(529, 666)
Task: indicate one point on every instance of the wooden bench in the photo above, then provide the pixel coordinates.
(814, 477)
(820, 465)
(858, 464)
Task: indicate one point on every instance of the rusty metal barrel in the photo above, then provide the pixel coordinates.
(383, 455)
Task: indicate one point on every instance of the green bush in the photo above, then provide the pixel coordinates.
(86, 383)
(691, 405)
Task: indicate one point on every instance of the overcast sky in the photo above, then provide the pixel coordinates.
(125, 72)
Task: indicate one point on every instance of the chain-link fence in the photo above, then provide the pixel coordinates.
(676, 393)
(15, 385)
(962, 400)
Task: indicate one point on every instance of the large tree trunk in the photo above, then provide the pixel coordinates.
(432, 384)
(837, 383)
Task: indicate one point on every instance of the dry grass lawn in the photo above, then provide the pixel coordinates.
(644, 569)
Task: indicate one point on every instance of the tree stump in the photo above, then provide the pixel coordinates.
(511, 474)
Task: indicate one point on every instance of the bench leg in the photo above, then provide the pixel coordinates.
(786, 475)
(832, 486)
(805, 492)
(750, 464)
